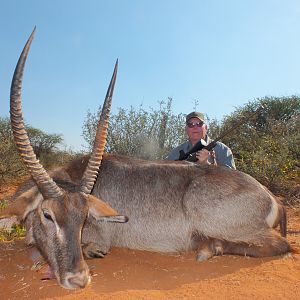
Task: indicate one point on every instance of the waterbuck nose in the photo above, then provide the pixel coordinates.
(78, 279)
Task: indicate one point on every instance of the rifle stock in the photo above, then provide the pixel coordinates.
(191, 155)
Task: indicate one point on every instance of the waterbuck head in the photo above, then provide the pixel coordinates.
(56, 213)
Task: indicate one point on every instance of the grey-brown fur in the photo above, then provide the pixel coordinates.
(169, 202)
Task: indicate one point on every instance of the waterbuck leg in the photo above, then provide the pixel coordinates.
(205, 251)
(206, 247)
(93, 250)
(268, 246)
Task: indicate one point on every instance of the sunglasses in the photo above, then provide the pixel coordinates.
(192, 125)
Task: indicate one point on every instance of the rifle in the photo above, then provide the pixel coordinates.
(191, 155)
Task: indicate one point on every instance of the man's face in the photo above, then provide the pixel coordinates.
(196, 130)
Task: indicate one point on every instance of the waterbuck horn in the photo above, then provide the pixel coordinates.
(46, 185)
(91, 172)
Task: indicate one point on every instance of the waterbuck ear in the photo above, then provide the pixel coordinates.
(102, 211)
(23, 204)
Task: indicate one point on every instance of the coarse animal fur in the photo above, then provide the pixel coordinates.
(170, 203)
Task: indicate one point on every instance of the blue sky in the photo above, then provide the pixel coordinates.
(221, 53)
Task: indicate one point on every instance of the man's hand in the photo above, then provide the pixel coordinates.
(203, 156)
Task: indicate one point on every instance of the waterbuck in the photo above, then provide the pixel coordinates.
(171, 206)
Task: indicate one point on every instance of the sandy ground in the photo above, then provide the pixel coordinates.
(127, 274)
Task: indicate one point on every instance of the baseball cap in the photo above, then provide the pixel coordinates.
(195, 114)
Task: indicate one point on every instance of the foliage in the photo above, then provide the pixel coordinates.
(45, 146)
(267, 146)
(138, 133)
(43, 143)
(15, 232)
(3, 204)
(10, 164)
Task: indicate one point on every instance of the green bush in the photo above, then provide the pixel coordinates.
(267, 146)
(138, 133)
(45, 147)
(16, 232)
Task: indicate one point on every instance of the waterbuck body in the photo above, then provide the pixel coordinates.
(171, 206)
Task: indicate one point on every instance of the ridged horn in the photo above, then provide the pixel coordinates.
(91, 172)
(44, 182)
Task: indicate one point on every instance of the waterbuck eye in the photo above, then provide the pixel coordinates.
(47, 216)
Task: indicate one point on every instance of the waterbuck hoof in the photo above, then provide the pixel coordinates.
(203, 256)
(95, 254)
(93, 251)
